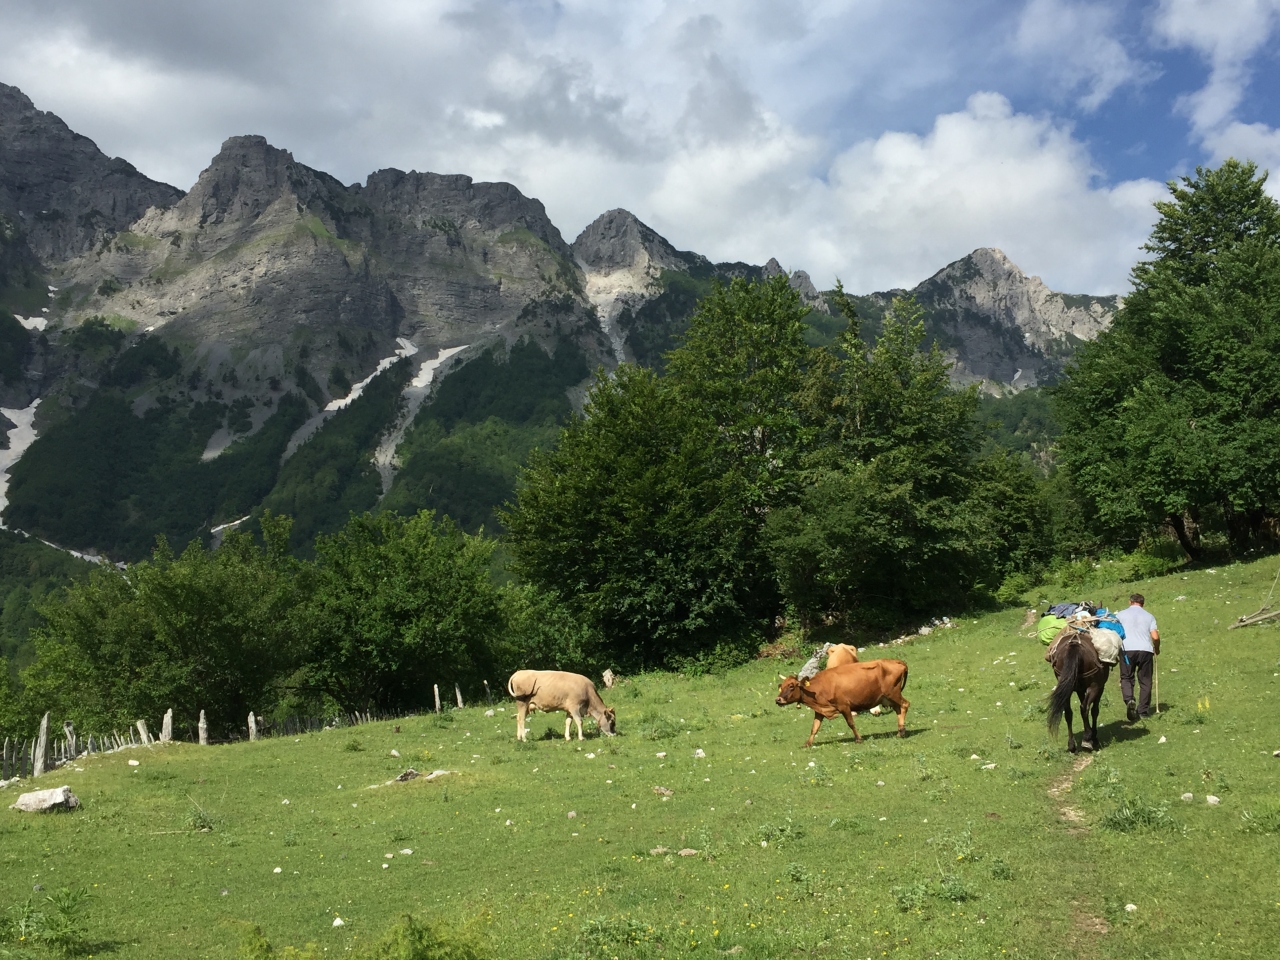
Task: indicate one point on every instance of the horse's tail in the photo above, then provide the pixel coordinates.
(1060, 698)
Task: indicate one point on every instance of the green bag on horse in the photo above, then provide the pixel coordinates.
(1049, 627)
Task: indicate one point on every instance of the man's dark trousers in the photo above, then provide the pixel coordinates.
(1139, 662)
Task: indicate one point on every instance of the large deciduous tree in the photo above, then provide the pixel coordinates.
(1172, 417)
(398, 604)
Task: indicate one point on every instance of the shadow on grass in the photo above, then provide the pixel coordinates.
(1121, 731)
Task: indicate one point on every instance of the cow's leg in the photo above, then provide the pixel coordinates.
(577, 718)
(522, 712)
(568, 724)
(903, 705)
(817, 722)
(848, 718)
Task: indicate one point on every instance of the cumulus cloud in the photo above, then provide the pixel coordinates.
(1076, 44)
(1227, 34)
(833, 134)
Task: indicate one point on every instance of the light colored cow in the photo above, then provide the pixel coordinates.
(550, 690)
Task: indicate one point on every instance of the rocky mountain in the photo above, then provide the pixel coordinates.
(276, 339)
(999, 326)
(66, 194)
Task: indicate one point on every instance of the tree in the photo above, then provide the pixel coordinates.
(887, 522)
(207, 630)
(639, 520)
(1172, 417)
(396, 605)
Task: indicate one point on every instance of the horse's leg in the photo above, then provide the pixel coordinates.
(1097, 705)
(1088, 735)
(1071, 735)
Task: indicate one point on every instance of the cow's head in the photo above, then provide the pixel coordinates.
(789, 691)
(608, 722)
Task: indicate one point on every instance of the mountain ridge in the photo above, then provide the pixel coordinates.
(221, 331)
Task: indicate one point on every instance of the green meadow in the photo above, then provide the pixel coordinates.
(974, 836)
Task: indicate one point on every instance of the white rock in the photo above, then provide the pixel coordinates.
(396, 754)
(1276, 754)
(284, 803)
(1163, 740)
(974, 756)
(660, 754)
(42, 801)
(875, 711)
(406, 852)
(1188, 797)
(573, 814)
(133, 763)
(389, 856)
(1212, 800)
(879, 783)
(988, 766)
(591, 756)
(277, 870)
(509, 823)
(699, 754)
(1130, 907)
(385, 865)
(338, 922)
(488, 713)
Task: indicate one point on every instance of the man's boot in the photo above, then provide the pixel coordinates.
(1131, 711)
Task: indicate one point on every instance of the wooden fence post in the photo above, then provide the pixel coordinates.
(488, 693)
(166, 727)
(253, 727)
(457, 692)
(4, 761)
(436, 688)
(204, 730)
(40, 758)
(144, 734)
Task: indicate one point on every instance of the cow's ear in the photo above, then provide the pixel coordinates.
(806, 681)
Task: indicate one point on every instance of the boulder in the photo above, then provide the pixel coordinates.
(42, 801)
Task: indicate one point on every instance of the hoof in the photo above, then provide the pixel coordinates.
(1072, 748)
(1086, 745)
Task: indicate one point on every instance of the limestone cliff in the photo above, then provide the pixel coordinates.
(64, 192)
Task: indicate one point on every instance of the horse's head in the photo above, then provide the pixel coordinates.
(789, 691)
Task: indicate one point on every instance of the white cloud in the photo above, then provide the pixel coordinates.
(1076, 44)
(739, 129)
(1227, 34)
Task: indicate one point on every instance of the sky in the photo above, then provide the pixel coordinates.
(873, 141)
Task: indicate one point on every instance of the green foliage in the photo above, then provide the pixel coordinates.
(56, 922)
(147, 359)
(408, 939)
(398, 604)
(332, 475)
(1172, 417)
(466, 446)
(212, 630)
(1133, 814)
(893, 518)
(1021, 423)
(107, 479)
(29, 572)
(540, 628)
(639, 524)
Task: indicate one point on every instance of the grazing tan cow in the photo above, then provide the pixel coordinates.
(841, 654)
(845, 690)
(549, 690)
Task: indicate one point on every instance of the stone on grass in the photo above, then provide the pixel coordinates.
(699, 754)
(133, 763)
(404, 777)
(396, 754)
(1212, 800)
(573, 814)
(1188, 797)
(658, 851)
(44, 801)
(339, 922)
(688, 852)
(663, 792)
(1163, 740)
(1130, 907)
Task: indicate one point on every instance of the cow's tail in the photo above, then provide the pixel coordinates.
(511, 685)
(1060, 697)
(904, 678)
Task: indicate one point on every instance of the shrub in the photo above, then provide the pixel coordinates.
(1134, 815)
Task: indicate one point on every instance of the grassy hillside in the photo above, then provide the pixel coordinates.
(907, 847)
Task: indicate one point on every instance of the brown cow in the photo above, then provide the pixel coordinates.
(848, 689)
(550, 690)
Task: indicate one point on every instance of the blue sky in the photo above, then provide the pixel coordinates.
(871, 140)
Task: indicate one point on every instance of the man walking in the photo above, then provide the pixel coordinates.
(1141, 647)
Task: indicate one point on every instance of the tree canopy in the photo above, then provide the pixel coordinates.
(1172, 417)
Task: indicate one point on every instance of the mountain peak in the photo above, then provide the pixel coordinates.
(65, 192)
(618, 240)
